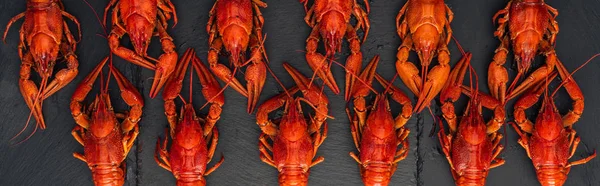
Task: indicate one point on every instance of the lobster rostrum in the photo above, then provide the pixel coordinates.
(424, 26)
(330, 20)
(106, 143)
(142, 19)
(44, 37)
(294, 140)
(551, 141)
(532, 31)
(471, 147)
(237, 25)
(190, 152)
(375, 132)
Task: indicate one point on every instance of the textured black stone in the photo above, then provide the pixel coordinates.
(46, 158)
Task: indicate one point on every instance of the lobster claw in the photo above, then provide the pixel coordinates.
(319, 64)
(165, 66)
(452, 89)
(312, 94)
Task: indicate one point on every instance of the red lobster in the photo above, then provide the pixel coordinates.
(424, 26)
(295, 142)
(532, 30)
(189, 154)
(106, 143)
(43, 35)
(471, 147)
(551, 141)
(142, 19)
(237, 24)
(330, 20)
(378, 135)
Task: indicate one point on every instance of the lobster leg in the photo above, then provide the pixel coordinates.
(213, 143)
(319, 159)
(107, 8)
(220, 70)
(168, 9)
(214, 167)
(166, 62)
(64, 76)
(574, 92)
(403, 152)
(210, 90)
(318, 62)
(132, 97)
(128, 140)
(76, 133)
(264, 155)
(319, 137)
(501, 30)
(161, 156)
(399, 97)
(12, 20)
(211, 28)
(523, 140)
(356, 135)
(30, 91)
(79, 156)
(362, 19)
(582, 161)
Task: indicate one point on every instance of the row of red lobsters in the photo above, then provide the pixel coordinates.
(290, 143)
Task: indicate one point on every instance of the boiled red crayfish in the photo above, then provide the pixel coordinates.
(294, 140)
(551, 141)
(142, 19)
(330, 20)
(106, 142)
(237, 25)
(190, 153)
(424, 26)
(43, 35)
(376, 133)
(532, 30)
(471, 147)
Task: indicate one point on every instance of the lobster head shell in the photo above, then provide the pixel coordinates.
(103, 117)
(188, 132)
(44, 52)
(332, 28)
(548, 124)
(140, 31)
(472, 126)
(235, 39)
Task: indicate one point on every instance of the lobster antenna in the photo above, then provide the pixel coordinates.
(105, 36)
(460, 48)
(391, 82)
(357, 77)
(571, 74)
(191, 79)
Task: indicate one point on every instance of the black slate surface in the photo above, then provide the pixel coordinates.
(46, 158)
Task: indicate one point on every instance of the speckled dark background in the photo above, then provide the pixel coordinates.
(46, 158)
